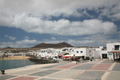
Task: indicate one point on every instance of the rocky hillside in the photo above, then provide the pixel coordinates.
(47, 45)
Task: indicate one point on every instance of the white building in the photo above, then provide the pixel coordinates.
(50, 52)
(101, 53)
(80, 51)
(84, 51)
(112, 47)
(105, 53)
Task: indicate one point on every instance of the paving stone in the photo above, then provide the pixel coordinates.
(47, 79)
(4, 77)
(116, 67)
(79, 72)
(29, 71)
(66, 74)
(114, 76)
(44, 73)
(108, 61)
(102, 66)
(24, 78)
(83, 67)
(56, 65)
(52, 66)
(90, 75)
(66, 66)
(94, 61)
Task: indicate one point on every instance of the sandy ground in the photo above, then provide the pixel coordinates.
(16, 57)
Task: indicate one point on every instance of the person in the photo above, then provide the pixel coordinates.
(77, 60)
(81, 60)
(90, 58)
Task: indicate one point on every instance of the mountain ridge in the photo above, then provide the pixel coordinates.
(52, 45)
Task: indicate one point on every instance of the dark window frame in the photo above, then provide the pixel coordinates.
(117, 47)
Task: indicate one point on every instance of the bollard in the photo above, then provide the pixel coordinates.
(3, 71)
(90, 59)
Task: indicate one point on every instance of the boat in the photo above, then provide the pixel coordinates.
(43, 60)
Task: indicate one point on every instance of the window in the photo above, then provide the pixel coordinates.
(77, 51)
(117, 47)
(81, 51)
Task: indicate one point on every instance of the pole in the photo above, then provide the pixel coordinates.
(114, 57)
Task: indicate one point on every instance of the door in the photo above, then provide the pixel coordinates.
(104, 56)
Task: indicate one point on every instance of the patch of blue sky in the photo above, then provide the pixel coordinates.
(20, 34)
(85, 14)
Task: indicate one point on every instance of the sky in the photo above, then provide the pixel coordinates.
(26, 23)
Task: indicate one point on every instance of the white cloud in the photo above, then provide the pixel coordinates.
(26, 38)
(53, 38)
(116, 16)
(9, 10)
(81, 42)
(63, 26)
(26, 43)
(94, 40)
(29, 16)
(112, 11)
(10, 37)
(55, 7)
(6, 44)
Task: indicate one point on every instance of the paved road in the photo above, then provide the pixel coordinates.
(91, 70)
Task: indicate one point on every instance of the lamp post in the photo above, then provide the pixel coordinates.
(2, 70)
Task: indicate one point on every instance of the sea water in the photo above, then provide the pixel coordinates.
(10, 64)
